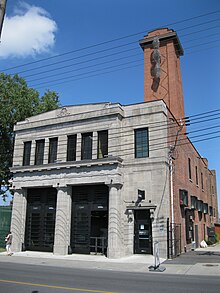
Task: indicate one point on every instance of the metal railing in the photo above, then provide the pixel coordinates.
(98, 245)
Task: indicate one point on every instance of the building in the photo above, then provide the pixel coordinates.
(111, 178)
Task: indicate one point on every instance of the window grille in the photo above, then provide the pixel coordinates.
(39, 152)
(71, 147)
(27, 153)
(102, 150)
(52, 150)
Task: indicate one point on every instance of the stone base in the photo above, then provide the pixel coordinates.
(60, 249)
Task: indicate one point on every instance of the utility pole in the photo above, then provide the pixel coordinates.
(2, 13)
(170, 159)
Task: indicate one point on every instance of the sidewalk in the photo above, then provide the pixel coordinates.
(203, 261)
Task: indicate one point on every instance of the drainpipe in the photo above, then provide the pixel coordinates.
(171, 198)
(170, 157)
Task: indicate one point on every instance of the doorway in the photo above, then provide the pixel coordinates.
(40, 219)
(89, 229)
(142, 232)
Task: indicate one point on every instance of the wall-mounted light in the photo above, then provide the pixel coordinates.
(141, 194)
(152, 214)
(130, 215)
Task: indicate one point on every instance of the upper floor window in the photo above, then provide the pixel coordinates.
(141, 143)
(39, 152)
(86, 146)
(189, 169)
(197, 180)
(102, 150)
(71, 147)
(52, 149)
(27, 153)
(202, 183)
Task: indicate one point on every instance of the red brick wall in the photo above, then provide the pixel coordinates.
(170, 90)
(184, 150)
(170, 84)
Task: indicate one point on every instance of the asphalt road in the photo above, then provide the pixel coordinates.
(22, 278)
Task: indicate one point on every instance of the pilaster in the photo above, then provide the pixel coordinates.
(63, 220)
(18, 219)
(46, 151)
(33, 148)
(115, 238)
(78, 147)
(94, 145)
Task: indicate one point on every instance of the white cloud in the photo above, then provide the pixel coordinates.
(30, 31)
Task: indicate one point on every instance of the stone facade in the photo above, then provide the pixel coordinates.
(120, 170)
(146, 176)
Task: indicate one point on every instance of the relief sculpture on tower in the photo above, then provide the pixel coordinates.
(155, 61)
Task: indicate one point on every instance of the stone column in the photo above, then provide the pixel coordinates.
(78, 147)
(63, 220)
(33, 148)
(46, 151)
(94, 145)
(115, 243)
(129, 232)
(62, 148)
(18, 219)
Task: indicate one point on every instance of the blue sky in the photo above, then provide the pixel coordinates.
(39, 29)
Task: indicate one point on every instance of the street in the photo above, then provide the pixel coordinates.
(23, 278)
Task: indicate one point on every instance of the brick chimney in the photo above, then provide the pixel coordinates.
(162, 74)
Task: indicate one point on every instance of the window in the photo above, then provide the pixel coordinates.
(52, 150)
(205, 208)
(71, 147)
(197, 181)
(189, 169)
(200, 205)
(202, 181)
(86, 147)
(183, 194)
(27, 153)
(193, 202)
(141, 143)
(39, 152)
(102, 150)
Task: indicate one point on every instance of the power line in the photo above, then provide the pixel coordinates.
(81, 68)
(82, 56)
(98, 74)
(110, 41)
(70, 77)
(200, 114)
(93, 75)
(90, 60)
(102, 69)
(36, 85)
(121, 135)
(164, 145)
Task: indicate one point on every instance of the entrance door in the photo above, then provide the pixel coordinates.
(197, 236)
(89, 227)
(142, 232)
(81, 228)
(40, 223)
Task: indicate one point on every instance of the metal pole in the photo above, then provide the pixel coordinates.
(168, 238)
(2, 13)
(172, 205)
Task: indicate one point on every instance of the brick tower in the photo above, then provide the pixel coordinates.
(162, 74)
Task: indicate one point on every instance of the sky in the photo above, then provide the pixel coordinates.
(88, 52)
